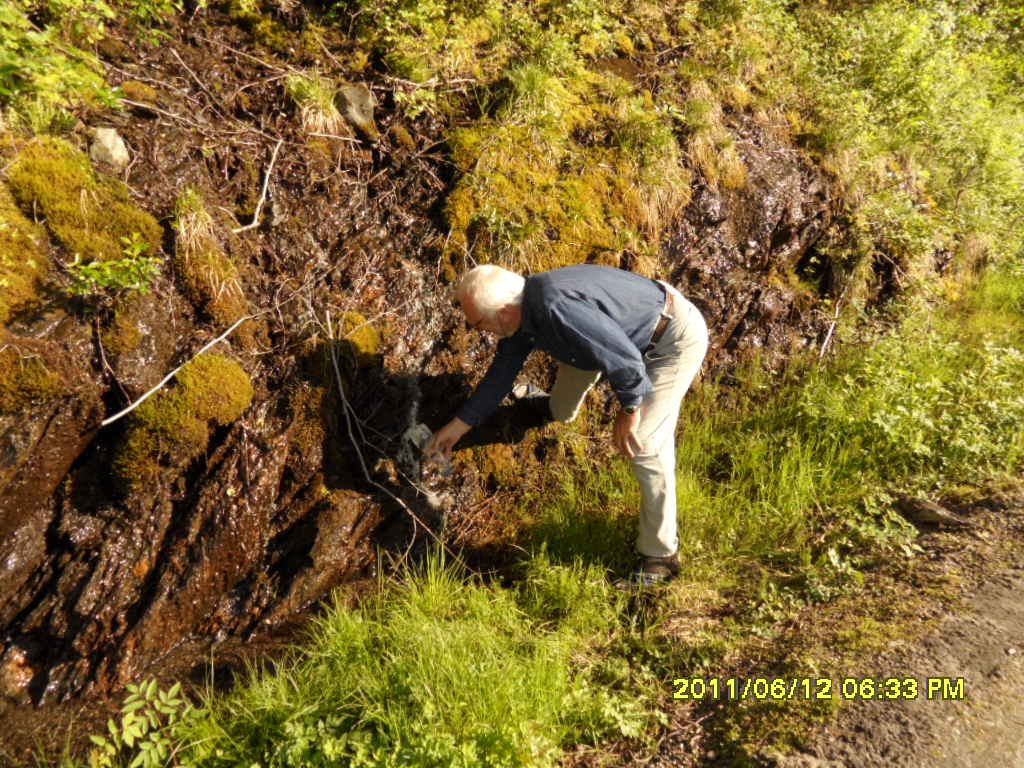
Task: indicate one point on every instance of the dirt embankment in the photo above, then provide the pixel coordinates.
(103, 579)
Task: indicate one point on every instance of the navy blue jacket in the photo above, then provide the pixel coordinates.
(592, 317)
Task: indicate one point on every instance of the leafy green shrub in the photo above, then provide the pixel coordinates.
(143, 738)
(134, 271)
(39, 76)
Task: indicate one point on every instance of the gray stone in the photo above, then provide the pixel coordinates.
(925, 512)
(109, 148)
(357, 104)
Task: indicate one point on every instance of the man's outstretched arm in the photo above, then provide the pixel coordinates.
(446, 437)
(496, 383)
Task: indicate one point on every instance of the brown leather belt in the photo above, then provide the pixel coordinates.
(667, 315)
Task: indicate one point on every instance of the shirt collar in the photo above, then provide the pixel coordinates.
(526, 320)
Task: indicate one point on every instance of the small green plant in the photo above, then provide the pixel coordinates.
(148, 13)
(314, 95)
(143, 737)
(134, 271)
(42, 75)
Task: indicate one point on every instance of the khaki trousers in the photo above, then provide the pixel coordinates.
(671, 365)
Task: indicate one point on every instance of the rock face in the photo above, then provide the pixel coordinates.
(735, 253)
(101, 584)
(357, 105)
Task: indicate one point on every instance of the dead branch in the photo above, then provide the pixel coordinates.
(170, 375)
(202, 86)
(246, 55)
(263, 195)
(165, 113)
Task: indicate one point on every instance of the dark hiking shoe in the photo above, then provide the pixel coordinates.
(650, 572)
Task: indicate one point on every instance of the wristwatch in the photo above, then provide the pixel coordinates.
(631, 408)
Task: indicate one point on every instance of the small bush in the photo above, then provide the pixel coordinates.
(132, 272)
(41, 75)
(315, 96)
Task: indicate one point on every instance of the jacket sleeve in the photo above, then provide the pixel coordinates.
(497, 382)
(601, 344)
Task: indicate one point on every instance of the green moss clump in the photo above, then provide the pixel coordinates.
(363, 339)
(211, 278)
(273, 35)
(139, 91)
(501, 463)
(123, 334)
(25, 379)
(89, 214)
(172, 427)
(23, 257)
(570, 169)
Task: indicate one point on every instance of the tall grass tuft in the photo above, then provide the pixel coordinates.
(314, 95)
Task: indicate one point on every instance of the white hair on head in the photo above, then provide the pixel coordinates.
(490, 288)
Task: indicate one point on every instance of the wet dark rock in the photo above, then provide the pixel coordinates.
(357, 105)
(146, 338)
(923, 512)
(735, 251)
(16, 673)
(38, 446)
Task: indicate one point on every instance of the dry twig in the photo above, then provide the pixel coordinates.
(263, 195)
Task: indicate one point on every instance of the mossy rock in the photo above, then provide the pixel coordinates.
(88, 213)
(173, 426)
(123, 334)
(212, 281)
(135, 90)
(25, 379)
(24, 260)
(567, 168)
(362, 338)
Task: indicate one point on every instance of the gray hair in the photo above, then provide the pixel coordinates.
(490, 288)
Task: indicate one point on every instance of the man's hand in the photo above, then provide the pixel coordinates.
(446, 437)
(624, 434)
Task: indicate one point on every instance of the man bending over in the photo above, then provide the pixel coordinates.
(642, 334)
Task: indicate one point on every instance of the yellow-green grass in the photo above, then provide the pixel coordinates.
(210, 277)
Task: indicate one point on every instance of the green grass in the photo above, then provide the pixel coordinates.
(438, 670)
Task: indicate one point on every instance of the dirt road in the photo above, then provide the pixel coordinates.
(982, 643)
